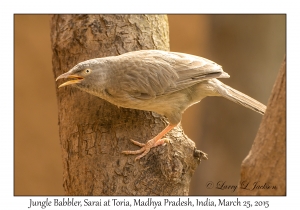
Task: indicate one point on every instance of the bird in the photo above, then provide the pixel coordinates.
(155, 80)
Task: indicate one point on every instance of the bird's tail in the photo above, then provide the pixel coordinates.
(240, 98)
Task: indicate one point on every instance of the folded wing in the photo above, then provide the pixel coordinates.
(150, 73)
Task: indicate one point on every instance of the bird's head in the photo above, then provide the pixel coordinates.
(85, 75)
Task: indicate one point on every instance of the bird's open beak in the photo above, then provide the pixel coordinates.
(75, 79)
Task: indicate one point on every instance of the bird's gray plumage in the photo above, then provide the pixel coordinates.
(159, 81)
(163, 82)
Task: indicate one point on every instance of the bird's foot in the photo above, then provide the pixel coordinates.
(145, 148)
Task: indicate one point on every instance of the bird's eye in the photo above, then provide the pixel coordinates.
(87, 71)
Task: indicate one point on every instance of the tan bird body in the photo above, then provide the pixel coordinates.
(153, 80)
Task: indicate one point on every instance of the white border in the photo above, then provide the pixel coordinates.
(8, 201)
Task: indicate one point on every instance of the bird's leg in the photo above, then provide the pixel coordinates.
(157, 140)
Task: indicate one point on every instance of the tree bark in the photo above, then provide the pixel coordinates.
(263, 171)
(93, 132)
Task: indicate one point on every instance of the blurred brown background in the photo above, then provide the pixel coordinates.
(249, 47)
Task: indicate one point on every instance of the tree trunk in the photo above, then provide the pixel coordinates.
(263, 171)
(93, 132)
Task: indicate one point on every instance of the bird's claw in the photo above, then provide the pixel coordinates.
(145, 148)
(137, 143)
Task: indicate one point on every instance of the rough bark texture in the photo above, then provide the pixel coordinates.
(93, 132)
(263, 171)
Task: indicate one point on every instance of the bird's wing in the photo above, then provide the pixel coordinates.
(147, 74)
(192, 70)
